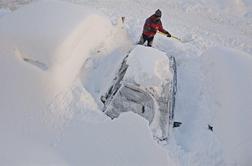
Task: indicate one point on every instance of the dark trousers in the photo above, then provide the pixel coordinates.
(145, 38)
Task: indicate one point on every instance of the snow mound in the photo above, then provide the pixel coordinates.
(148, 67)
(229, 74)
(49, 49)
(43, 47)
(146, 85)
(52, 37)
(124, 141)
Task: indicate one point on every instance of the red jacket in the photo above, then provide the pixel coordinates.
(152, 25)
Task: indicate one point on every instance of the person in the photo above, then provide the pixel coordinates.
(150, 28)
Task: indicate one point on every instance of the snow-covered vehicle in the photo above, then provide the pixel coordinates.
(146, 85)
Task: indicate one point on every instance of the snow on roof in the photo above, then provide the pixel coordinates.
(148, 66)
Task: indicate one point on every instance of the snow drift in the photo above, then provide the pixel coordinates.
(44, 104)
(229, 74)
(50, 48)
(67, 34)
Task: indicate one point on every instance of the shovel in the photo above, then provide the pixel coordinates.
(177, 38)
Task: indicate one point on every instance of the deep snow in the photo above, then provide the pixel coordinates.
(51, 100)
(47, 112)
(231, 71)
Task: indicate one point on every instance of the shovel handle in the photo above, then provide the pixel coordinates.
(174, 37)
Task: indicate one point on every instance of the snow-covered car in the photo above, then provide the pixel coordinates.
(146, 85)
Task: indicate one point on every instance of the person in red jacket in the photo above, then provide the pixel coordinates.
(151, 26)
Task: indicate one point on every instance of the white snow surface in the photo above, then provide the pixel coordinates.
(57, 58)
(44, 102)
(152, 67)
(4, 12)
(231, 71)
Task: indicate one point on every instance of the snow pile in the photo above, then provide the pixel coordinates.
(152, 67)
(64, 32)
(48, 116)
(51, 47)
(123, 141)
(145, 84)
(231, 72)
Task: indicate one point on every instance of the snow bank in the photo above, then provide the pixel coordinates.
(229, 75)
(49, 48)
(124, 141)
(43, 49)
(53, 35)
(57, 41)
